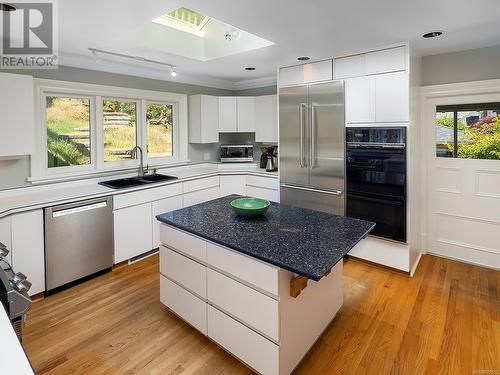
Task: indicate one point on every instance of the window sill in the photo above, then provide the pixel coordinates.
(83, 175)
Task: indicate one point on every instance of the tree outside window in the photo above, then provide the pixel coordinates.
(469, 131)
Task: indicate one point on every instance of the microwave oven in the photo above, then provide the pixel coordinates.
(236, 153)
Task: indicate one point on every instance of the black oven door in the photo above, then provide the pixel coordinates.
(389, 214)
(380, 171)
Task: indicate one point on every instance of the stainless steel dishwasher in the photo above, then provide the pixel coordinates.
(78, 240)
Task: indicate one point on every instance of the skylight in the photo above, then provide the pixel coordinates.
(184, 19)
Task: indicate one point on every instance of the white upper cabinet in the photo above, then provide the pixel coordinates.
(203, 119)
(246, 114)
(377, 99)
(266, 119)
(351, 66)
(385, 61)
(360, 100)
(306, 73)
(16, 115)
(392, 97)
(228, 119)
(377, 62)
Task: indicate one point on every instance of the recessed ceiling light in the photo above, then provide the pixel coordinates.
(303, 58)
(432, 34)
(249, 68)
(173, 71)
(7, 7)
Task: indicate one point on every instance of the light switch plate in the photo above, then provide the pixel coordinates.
(207, 155)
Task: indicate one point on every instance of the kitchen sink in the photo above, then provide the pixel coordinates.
(124, 183)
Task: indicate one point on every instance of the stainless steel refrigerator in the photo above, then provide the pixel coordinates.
(312, 146)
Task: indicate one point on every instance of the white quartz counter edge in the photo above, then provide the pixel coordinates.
(12, 356)
(26, 199)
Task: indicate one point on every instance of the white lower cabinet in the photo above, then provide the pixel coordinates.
(186, 272)
(250, 306)
(244, 304)
(263, 187)
(200, 196)
(184, 243)
(160, 207)
(28, 249)
(183, 303)
(133, 231)
(232, 185)
(255, 350)
(257, 192)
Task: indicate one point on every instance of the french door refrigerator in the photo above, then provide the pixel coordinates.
(312, 146)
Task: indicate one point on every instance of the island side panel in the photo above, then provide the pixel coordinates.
(303, 319)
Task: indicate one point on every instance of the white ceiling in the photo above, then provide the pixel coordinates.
(316, 28)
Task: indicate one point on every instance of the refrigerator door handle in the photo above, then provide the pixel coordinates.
(302, 107)
(330, 192)
(314, 158)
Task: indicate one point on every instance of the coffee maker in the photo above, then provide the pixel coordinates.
(269, 158)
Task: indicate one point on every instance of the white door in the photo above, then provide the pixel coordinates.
(462, 217)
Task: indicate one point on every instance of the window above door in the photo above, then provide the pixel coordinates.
(469, 131)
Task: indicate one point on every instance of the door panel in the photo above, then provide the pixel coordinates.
(313, 200)
(293, 135)
(327, 135)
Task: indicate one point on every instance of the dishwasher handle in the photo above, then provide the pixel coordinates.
(79, 207)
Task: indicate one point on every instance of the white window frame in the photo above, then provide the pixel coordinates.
(175, 134)
(92, 136)
(121, 164)
(97, 93)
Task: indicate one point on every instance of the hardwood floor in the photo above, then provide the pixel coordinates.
(445, 320)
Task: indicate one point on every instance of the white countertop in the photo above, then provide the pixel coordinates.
(13, 359)
(38, 196)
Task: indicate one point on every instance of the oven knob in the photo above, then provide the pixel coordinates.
(22, 286)
(18, 277)
(3, 251)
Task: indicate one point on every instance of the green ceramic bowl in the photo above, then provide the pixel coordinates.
(250, 207)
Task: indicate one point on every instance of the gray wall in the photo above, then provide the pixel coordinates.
(13, 173)
(465, 66)
(269, 90)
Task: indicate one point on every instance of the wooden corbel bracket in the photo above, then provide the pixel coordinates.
(297, 285)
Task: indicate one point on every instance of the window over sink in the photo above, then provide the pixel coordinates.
(89, 129)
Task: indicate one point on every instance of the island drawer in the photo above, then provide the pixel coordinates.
(244, 268)
(252, 348)
(243, 303)
(201, 184)
(184, 242)
(146, 195)
(185, 304)
(263, 182)
(186, 272)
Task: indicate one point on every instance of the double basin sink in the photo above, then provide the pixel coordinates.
(123, 183)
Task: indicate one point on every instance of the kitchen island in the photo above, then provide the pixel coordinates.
(264, 288)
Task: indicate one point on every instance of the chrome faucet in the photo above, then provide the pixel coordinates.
(133, 155)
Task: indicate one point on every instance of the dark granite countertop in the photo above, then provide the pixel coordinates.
(302, 241)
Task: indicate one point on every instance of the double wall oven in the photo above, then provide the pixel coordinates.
(376, 179)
